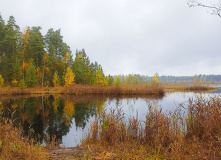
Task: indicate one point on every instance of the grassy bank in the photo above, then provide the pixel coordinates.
(193, 135)
(14, 146)
(185, 88)
(86, 89)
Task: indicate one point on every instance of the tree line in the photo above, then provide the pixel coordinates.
(30, 59)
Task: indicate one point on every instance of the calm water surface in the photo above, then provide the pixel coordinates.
(69, 117)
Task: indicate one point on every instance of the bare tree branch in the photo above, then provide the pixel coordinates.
(215, 8)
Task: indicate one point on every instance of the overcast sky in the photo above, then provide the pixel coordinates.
(130, 36)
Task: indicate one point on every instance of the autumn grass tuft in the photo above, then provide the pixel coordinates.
(193, 133)
(14, 146)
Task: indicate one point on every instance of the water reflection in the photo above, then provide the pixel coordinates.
(46, 116)
(67, 116)
(42, 116)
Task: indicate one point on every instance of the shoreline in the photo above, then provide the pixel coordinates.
(86, 90)
(104, 90)
(187, 88)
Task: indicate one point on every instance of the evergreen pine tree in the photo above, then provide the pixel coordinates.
(31, 78)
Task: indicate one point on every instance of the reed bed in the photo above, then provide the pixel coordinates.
(190, 133)
(105, 90)
(112, 90)
(172, 88)
(87, 89)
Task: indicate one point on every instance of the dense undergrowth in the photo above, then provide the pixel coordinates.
(190, 133)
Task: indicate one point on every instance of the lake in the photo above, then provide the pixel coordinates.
(69, 117)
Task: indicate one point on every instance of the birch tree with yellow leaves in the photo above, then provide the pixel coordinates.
(69, 77)
(155, 80)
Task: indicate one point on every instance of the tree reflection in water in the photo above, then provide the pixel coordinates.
(48, 116)
(44, 117)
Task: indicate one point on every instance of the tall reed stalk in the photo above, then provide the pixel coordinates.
(190, 133)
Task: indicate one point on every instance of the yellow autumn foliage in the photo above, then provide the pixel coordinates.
(14, 82)
(69, 77)
(66, 57)
(55, 105)
(155, 79)
(45, 58)
(201, 81)
(100, 106)
(25, 66)
(79, 55)
(1, 81)
(69, 109)
(39, 74)
(100, 79)
(56, 79)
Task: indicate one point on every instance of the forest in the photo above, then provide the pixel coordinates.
(30, 59)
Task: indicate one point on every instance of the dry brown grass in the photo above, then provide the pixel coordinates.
(14, 146)
(173, 88)
(86, 89)
(111, 90)
(105, 90)
(193, 135)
